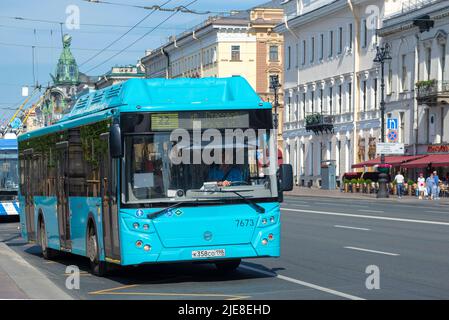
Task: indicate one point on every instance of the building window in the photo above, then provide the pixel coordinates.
(364, 95)
(303, 104)
(235, 53)
(331, 99)
(443, 61)
(375, 93)
(350, 97)
(289, 57)
(350, 36)
(321, 100)
(428, 62)
(321, 46)
(312, 49)
(331, 43)
(404, 79)
(274, 53)
(304, 51)
(312, 94)
(340, 40)
(340, 93)
(364, 34)
(390, 79)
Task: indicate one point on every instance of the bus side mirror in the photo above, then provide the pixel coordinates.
(115, 141)
(286, 177)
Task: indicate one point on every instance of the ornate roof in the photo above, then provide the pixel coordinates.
(67, 70)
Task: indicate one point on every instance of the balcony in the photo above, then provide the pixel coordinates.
(368, 115)
(319, 123)
(432, 92)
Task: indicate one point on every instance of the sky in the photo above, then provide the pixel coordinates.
(17, 37)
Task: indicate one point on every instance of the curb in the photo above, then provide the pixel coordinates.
(30, 280)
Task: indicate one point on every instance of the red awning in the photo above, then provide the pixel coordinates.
(434, 160)
(392, 160)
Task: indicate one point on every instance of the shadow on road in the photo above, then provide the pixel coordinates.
(163, 273)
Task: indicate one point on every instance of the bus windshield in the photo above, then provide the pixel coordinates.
(159, 167)
(8, 172)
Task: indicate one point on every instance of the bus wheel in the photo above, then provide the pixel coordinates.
(97, 267)
(228, 266)
(47, 252)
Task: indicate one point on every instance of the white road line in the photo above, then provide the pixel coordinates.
(373, 211)
(373, 251)
(300, 205)
(368, 217)
(303, 283)
(347, 227)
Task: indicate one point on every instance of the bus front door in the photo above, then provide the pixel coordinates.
(29, 200)
(62, 196)
(108, 176)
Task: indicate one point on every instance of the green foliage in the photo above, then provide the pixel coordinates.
(368, 181)
(425, 83)
(312, 119)
(354, 181)
(410, 182)
(347, 181)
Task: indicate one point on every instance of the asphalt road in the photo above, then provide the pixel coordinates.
(327, 246)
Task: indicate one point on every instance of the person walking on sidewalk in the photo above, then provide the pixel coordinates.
(399, 178)
(431, 187)
(421, 186)
(437, 184)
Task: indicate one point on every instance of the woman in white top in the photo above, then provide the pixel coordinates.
(421, 186)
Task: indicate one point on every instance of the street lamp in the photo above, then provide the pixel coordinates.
(382, 55)
(275, 85)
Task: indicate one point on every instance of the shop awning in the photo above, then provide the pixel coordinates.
(392, 160)
(434, 160)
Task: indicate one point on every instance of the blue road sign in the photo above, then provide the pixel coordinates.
(392, 123)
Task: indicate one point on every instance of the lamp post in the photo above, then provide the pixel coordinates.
(275, 85)
(382, 55)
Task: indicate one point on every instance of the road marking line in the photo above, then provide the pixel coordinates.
(373, 251)
(347, 227)
(374, 211)
(367, 217)
(300, 205)
(113, 291)
(303, 283)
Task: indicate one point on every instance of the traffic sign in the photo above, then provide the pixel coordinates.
(390, 148)
(393, 135)
(392, 123)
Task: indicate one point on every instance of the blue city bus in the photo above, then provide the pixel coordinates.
(9, 181)
(100, 182)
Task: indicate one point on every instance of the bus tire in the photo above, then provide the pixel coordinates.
(227, 266)
(97, 267)
(47, 252)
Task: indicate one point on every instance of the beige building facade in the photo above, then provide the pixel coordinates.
(243, 44)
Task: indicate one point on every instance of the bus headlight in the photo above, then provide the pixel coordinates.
(147, 247)
(146, 227)
(264, 242)
(272, 219)
(136, 225)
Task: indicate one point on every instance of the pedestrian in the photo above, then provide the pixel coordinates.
(399, 179)
(437, 184)
(421, 186)
(431, 187)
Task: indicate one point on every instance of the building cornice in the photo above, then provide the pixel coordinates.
(404, 21)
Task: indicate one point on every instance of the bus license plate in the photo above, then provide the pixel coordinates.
(208, 253)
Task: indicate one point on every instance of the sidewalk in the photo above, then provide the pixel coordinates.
(317, 192)
(20, 280)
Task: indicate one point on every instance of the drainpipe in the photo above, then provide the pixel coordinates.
(166, 55)
(355, 83)
(415, 102)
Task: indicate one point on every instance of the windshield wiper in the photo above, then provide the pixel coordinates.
(251, 203)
